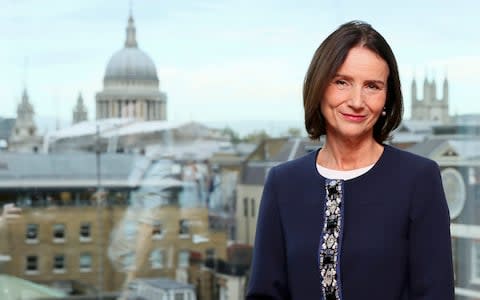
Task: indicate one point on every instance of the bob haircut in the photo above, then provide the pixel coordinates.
(326, 61)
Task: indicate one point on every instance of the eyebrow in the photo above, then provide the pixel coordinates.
(350, 78)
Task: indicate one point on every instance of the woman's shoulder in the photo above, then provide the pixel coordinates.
(301, 166)
(409, 161)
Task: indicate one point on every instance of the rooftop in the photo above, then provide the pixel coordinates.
(13, 288)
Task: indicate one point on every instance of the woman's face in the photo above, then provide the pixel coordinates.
(355, 97)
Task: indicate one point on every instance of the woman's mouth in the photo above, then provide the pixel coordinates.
(354, 117)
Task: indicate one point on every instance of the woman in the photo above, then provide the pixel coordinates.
(357, 219)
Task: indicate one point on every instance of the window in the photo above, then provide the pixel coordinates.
(85, 234)
(157, 231)
(157, 257)
(85, 262)
(31, 235)
(245, 207)
(210, 253)
(31, 264)
(476, 262)
(179, 296)
(183, 258)
(184, 228)
(253, 207)
(59, 233)
(223, 293)
(59, 263)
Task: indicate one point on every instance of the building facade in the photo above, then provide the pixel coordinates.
(80, 112)
(145, 221)
(24, 136)
(268, 154)
(131, 85)
(455, 149)
(430, 107)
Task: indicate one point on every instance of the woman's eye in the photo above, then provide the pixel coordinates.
(373, 86)
(341, 83)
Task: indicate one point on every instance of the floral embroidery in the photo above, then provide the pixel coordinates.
(329, 247)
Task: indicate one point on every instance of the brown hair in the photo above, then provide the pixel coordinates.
(326, 61)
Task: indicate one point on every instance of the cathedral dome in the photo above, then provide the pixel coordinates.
(131, 63)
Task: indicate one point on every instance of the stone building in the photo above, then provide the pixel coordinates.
(131, 85)
(455, 148)
(80, 112)
(268, 154)
(24, 136)
(71, 235)
(431, 107)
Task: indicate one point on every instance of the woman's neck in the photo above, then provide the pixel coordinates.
(348, 155)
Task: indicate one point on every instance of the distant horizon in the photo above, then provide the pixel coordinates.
(242, 127)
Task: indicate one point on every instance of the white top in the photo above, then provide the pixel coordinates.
(344, 175)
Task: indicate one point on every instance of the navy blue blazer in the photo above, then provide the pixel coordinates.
(396, 234)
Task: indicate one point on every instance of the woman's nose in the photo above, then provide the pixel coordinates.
(356, 97)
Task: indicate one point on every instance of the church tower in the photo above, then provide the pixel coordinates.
(431, 107)
(80, 110)
(24, 136)
(24, 124)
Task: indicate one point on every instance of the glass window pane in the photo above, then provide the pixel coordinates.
(183, 258)
(32, 232)
(85, 261)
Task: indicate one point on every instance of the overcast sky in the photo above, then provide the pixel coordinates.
(224, 60)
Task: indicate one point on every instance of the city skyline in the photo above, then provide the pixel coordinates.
(216, 60)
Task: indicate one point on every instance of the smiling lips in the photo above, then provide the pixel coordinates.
(354, 117)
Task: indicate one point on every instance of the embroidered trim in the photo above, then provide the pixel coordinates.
(329, 252)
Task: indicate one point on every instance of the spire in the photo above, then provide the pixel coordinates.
(414, 88)
(426, 87)
(433, 87)
(445, 79)
(445, 88)
(25, 92)
(25, 110)
(25, 96)
(79, 111)
(80, 99)
(131, 41)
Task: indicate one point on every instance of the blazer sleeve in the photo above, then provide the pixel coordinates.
(430, 251)
(268, 276)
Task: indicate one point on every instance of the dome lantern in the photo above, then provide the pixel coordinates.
(131, 41)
